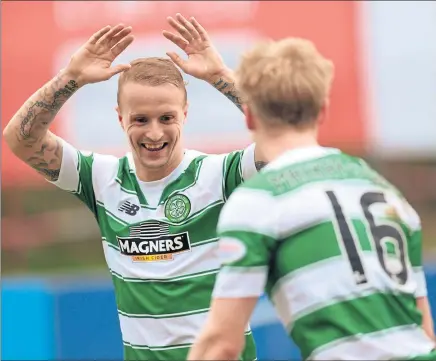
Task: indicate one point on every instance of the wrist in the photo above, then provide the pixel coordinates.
(225, 74)
(70, 75)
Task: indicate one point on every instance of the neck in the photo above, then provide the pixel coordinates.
(147, 174)
(273, 145)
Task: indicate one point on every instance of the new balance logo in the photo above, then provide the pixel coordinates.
(129, 208)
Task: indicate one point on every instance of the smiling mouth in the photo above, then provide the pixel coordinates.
(154, 147)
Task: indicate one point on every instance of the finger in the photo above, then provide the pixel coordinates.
(94, 38)
(176, 59)
(180, 28)
(200, 29)
(119, 69)
(122, 45)
(176, 39)
(194, 33)
(121, 35)
(110, 34)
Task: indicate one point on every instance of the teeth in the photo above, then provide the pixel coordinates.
(154, 146)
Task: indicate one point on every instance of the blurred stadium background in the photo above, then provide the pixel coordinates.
(57, 300)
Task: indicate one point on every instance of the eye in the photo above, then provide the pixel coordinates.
(140, 119)
(166, 118)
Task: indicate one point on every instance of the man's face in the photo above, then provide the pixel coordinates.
(152, 118)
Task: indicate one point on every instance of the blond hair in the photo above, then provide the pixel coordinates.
(152, 71)
(287, 81)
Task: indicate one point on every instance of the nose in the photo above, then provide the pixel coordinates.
(154, 131)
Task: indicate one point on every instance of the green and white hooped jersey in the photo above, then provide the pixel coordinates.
(162, 254)
(338, 250)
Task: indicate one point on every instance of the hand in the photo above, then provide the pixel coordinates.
(204, 62)
(92, 62)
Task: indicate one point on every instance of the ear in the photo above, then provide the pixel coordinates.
(120, 117)
(323, 114)
(185, 112)
(249, 118)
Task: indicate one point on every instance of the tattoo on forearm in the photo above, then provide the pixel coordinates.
(229, 90)
(260, 164)
(27, 133)
(46, 159)
(40, 113)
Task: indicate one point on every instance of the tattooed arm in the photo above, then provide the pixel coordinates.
(204, 61)
(27, 133)
(226, 85)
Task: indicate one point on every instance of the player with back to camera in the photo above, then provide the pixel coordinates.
(336, 247)
(157, 207)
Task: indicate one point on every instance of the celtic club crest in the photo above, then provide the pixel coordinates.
(177, 208)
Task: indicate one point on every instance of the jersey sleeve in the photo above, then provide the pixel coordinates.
(415, 255)
(246, 244)
(410, 218)
(414, 245)
(238, 167)
(76, 175)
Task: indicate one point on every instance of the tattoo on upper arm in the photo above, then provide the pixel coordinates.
(260, 164)
(39, 114)
(47, 159)
(228, 89)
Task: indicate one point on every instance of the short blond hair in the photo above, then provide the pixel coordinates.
(287, 81)
(152, 71)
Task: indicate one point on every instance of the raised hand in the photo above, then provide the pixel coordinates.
(92, 62)
(204, 62)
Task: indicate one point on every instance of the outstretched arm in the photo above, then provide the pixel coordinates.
(27, 133)
(225, 83)
(204, 61)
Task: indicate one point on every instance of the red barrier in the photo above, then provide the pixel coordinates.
(33, 31)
